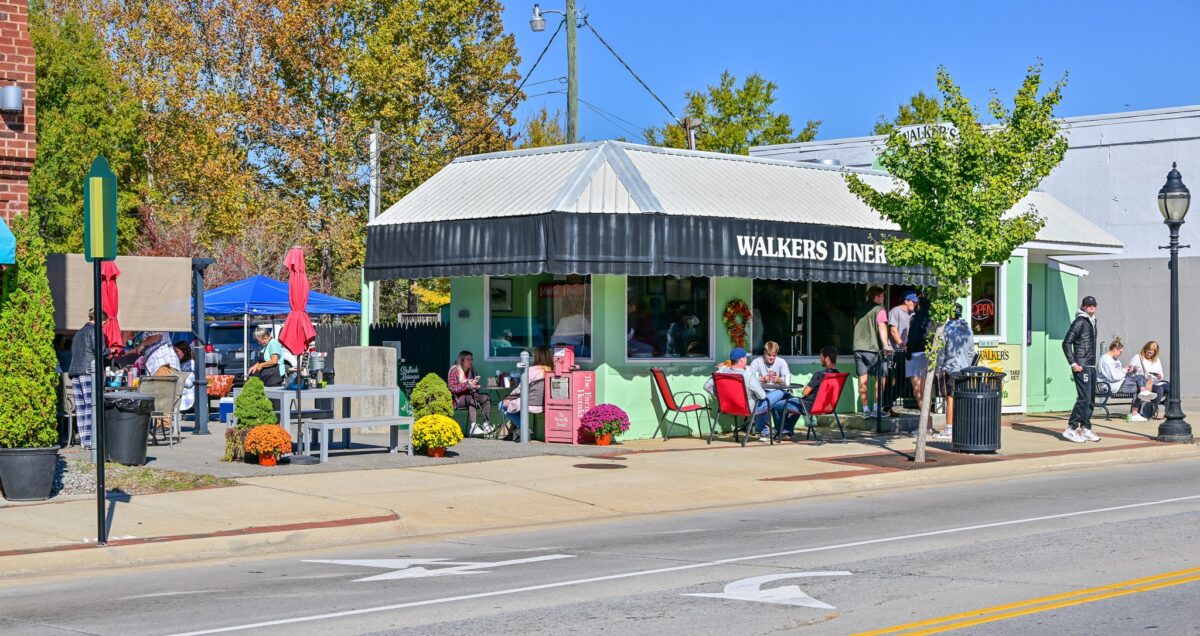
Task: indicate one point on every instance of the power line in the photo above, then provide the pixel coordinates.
(635, 75)
(610, 117)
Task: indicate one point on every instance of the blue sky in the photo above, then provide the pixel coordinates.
(846, 63)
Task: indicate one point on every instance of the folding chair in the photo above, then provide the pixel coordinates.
(163, 388)
(825, 403)
(684, 402)
(732, 400)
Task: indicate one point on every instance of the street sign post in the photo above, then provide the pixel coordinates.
(99, 245)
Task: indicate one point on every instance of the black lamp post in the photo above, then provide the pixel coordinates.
(1173, 201)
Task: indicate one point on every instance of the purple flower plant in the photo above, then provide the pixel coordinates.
(605, 419)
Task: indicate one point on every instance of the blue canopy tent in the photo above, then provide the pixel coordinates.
(262, 296)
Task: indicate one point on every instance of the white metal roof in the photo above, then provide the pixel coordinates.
(616, 177)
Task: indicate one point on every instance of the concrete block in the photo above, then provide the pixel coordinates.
(372, 366)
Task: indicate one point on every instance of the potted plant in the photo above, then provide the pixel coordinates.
(268, 443)
(431, 396)
(435, 433)
(604, 421)
(251, 410)
(28, 431)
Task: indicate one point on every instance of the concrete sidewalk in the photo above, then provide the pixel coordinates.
(323, 509)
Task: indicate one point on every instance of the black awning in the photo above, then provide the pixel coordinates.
(633, 244)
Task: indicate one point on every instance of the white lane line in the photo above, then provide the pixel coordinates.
(681, 568)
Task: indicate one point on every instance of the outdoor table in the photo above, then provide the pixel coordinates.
(781, 387)
(344, 392)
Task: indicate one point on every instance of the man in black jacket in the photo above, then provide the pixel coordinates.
(1080, 348)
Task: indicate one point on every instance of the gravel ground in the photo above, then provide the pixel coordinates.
(74, 478)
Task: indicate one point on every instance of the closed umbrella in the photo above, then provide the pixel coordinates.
(108, 297)
(298, 331)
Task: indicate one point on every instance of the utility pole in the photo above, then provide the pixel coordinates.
(690, 124)
(572, 76)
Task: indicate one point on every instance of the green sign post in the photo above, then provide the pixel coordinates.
(99, 245)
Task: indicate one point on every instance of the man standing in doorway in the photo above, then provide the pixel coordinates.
(870, 347)
(1079, 346)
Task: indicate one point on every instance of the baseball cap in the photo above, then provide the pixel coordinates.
(1088, 301)
(912, 296)
(737, 354)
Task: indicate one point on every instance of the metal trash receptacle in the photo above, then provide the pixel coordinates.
(978, 392)
(127, 427)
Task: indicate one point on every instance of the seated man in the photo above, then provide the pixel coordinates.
(755, 395)
(772, 369)
(808, 396)
(1122, 379)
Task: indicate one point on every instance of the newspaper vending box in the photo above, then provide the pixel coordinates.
(570, 394)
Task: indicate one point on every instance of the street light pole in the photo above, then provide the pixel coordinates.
(1173, 201)
(538, 24)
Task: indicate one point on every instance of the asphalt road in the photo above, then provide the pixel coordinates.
(1095, 552)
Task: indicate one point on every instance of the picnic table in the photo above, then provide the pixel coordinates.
(324, 427)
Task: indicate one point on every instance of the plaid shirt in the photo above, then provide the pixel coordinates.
(162, 356)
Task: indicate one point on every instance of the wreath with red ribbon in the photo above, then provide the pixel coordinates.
(737, 317)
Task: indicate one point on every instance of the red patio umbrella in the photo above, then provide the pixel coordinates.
(108, 297)
(297, 330)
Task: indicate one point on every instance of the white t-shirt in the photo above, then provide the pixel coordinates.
(1111, 371)
(759, 368)
(1151, 368)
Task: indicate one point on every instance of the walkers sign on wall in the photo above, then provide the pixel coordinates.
(1006, 359)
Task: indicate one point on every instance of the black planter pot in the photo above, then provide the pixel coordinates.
(27, 474)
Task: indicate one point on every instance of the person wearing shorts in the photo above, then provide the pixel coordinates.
(871, 347)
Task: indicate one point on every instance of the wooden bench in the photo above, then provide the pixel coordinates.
(320, 433)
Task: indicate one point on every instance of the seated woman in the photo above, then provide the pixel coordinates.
(187, 367)
(510, 406)
(1149, 364)
(463, 381)
(1125, 379)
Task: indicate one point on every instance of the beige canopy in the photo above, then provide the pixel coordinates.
(155, 292)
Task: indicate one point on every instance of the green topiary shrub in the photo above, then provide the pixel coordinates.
(252, 408)
(431, 396)
(27, 375)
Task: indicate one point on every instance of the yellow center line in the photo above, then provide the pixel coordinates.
(1032, 606)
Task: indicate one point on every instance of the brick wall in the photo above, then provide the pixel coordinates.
(18, 145)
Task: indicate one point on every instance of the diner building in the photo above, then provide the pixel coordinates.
(631, 253)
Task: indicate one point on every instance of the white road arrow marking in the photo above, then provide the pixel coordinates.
(751, 590)
(411, 568)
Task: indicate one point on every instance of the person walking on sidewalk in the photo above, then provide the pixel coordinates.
(870, 346)
(1079, 346)
(83, 365)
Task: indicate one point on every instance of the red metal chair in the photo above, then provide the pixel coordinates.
(684, 402)
(825, 403)
(732, 400)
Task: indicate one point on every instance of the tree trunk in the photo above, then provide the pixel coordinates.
(927, 394)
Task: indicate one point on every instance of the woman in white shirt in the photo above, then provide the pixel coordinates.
(1125, 379)
(1149, 364)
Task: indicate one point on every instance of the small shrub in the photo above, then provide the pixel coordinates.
(252, 408)
(435, 431)
(268, 441)
(431, 396)
(605, 419)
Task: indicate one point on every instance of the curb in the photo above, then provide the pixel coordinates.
(279, 540)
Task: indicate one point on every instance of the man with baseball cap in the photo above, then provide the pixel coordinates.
(899, 321)
(755, 395)
(1079, 346)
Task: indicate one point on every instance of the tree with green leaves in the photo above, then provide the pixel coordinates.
(543, 129)
(734, 118)
(27, 383)
(83, 110)
(920, 109)
(952, 193)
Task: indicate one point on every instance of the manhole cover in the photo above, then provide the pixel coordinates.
(600, 466)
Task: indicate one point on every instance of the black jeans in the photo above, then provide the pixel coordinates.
(1082, 413)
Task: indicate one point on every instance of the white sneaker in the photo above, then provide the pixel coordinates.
(764, 436)
(1137, 417)
(947, 433)
(1071, 435)
(1089, 435)
(475, 430)
(1147, 396)
(869, 412)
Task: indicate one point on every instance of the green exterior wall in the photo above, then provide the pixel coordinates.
(1055, 293)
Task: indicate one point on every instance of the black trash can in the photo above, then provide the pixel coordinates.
(978, 392)
(126, 426)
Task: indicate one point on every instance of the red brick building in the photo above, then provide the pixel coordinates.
(18, 145)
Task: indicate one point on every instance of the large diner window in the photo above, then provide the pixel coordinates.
(541, 310)
(805, 316)
(985, 301)
(668, 317)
